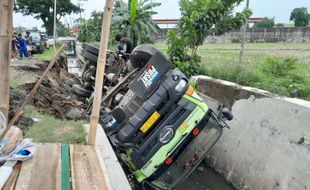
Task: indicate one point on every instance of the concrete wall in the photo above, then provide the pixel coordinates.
(301, 34)
(268, 145)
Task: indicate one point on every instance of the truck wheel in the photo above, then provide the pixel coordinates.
(91, 57)
(91, 49)
(78, 89)
(141, 55)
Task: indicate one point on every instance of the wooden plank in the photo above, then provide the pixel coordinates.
(65, 167)
(103, 168)
(42, 171)
(86, 171)
(10, 184)
(10, 163)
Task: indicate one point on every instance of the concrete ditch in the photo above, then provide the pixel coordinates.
(268, 145)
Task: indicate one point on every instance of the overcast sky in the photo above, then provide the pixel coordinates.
(279, 9)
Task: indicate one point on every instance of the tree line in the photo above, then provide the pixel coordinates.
(299, 16)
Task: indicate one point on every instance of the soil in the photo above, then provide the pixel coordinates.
(54, 95)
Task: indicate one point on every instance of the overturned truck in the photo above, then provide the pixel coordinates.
(158, 125)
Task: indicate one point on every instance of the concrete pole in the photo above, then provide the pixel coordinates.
(55, 26)
(106, 24)
(6, 31)
(243, 38)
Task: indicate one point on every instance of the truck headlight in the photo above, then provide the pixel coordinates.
(181, 85)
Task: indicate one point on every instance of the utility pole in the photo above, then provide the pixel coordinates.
(6, 31)
(243, 38)
(55, 26)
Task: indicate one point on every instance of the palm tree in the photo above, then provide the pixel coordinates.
(135, 20)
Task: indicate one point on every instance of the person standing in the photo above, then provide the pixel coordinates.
(22, 46)
(14, 46)
(28, 39)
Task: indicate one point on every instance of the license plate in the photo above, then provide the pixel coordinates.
(151, 120)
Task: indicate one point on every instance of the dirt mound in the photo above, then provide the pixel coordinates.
(54, 95)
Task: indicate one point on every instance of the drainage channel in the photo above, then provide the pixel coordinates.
(73, 66)
(203, 178)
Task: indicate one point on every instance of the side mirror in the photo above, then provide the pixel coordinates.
(227, 114)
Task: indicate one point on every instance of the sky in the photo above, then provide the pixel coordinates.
(279, 9)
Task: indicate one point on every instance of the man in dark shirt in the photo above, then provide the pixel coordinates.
(127, 45)
(22, 46)
(15, 46)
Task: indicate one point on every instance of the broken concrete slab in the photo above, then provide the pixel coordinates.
(268, 145)
(226, 92)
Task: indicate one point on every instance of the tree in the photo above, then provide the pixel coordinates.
(62, 29)
(43, 9)
(87, 32)
(264, 23)
(135, 20)
(90, 30)
(200, 19)
(300, 16)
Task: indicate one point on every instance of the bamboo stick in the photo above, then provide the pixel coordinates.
(106, 23)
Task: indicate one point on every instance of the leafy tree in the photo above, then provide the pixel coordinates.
(87, 32)
(265, 23)
(200, 19)
(62, 30)
(300, 16)
(135, 20)
(90, 30)
(40, 9)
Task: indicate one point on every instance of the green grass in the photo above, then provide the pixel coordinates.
(23, 79)
(47, 54)
(52, 130)
(221, 61)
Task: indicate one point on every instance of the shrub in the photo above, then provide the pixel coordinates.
(279, 67)
(189, 67)
(241, 74)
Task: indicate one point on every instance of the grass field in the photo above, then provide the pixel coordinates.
(51, 130)
(221, 61)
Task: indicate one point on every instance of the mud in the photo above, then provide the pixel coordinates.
(54, 95)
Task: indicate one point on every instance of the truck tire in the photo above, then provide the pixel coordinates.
(92, 49)
(141, 55)
(89, 56)
(78, 89)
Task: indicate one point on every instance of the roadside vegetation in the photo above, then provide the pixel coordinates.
(282, 68)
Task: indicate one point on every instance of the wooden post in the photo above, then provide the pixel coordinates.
(243, 37)
(106, 23)
(6, 28)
